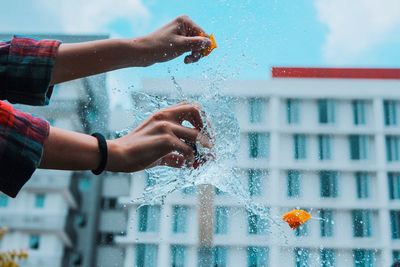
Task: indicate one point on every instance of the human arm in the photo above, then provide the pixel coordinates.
(160, 140)
(174, 39)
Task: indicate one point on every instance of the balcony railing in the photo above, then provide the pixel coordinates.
(59, 224)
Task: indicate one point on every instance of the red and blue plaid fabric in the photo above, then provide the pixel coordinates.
(25, 73)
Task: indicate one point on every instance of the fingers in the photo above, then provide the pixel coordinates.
(188, 27)
(185, 133)
(172, 160)
(184, 149)
(194, 43)
(193, 57)
(188, 112)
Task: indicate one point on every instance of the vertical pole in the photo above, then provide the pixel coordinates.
(206, 218)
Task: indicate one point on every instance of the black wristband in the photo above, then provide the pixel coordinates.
(103, 153)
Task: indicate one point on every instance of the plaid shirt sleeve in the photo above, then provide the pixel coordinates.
(25, 72)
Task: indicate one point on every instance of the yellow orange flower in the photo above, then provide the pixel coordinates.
(295, 218)
(208, 50)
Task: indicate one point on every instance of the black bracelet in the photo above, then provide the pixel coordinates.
(103, 153)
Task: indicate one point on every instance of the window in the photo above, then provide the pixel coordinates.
(359, 109)
(220, 256)
(150, 181)
(293, 184)
(256, 110)
(326, 223)
(39, 200)
(362, 184)
(178, 256)
(221, 220)
(359, 147)
(394, 185)
(396, 255)
(3, 201)
(364, 258)
(255, 181)
(180, 215)
(302, 230)
(146, 255)
(300, 146)
(392, 148)
(362, 223)
(329, 183)
(395, 223)
(257, 257)
(293, 106)
(326, 111)
(190, 190)
(258, 145)
(34, 242)
(328, 258)
(256, 224)
(390, 112)
(324, 142)
(108, 203)
(149, 218)
(106, 238)
(301, 256)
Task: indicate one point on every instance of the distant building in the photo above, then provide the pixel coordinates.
(327, 140)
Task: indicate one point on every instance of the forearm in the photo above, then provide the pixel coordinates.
(79, 60)
(67, 150)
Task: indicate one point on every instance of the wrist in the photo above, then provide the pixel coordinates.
(115, 161)
(138, 52)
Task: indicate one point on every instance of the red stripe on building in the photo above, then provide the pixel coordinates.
(335, 73)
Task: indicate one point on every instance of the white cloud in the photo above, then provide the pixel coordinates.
(72, 16)
(355, 26)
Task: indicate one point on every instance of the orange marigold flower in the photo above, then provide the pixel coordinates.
(295, 218)
(208, 50)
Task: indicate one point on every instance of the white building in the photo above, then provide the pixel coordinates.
(327, 140)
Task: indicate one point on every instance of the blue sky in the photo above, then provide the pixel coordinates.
(253, 35)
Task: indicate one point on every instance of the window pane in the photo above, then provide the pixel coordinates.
(256, 224)
(390, 112)
(300, 146)
(257, 257)
(146, 255)
(324, 142)
(34, 242)
(180, 214)
(3, 201)
(364, 258)
(220, 256)
(362, 223)
(221, 220)
(178, 256)
(359, 145)
(293, 109)
(255, 181)
(394, 185)
(326, 223)
(258, 145)
(256, 110)
(149, 218)
(39, 200)
(329, 183)
(362, 184)
(395, 223)
(293, 184)
(301, 257)
(392, 148)
(328, 258)
(359, 109)
(326, 111)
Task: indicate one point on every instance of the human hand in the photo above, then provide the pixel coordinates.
(160, 140)
(172, 40)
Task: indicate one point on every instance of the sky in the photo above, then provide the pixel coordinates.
(252, 35)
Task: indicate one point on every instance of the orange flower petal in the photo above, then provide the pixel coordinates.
(295, 218)
(214, 45)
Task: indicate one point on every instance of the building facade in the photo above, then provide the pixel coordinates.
(325, 140)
